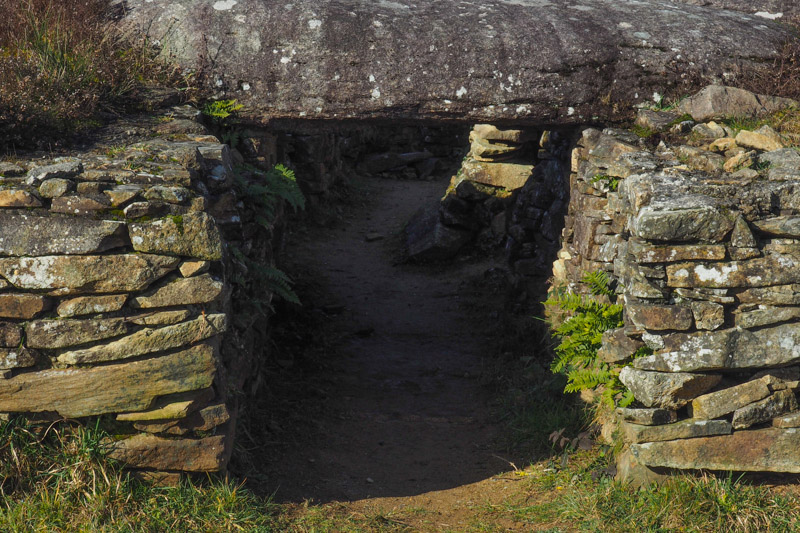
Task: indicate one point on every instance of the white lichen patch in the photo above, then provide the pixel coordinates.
(719, 275)
(376, 93)
(314, 24)
(768, 15)
(224, 5)
(461, 92)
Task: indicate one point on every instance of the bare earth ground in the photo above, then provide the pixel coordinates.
(402, 423)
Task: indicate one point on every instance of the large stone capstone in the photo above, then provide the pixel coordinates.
(526, 61)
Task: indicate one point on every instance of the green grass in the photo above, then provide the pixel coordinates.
(580, 498)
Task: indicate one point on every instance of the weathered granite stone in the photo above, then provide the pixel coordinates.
(763, 450)
(78, 392)
(492, 151)
(181, 291)
(203, 420)
(491, 132)
(674, 222)
(64, 169)
(170, 407)
(742, 254)
(685, 429)
(659, 317)
(508, 175)
(16, 358)
(725, 401)
(726, 349)
(33, 235)
(53, 334)
(90, 305)
(699, 159)
(656, 120)
(666, 390)
(10, 335)
(80, 205)
(709, 130)
(189, 269)
(171, 195)
(783, 226)
(193, 235)
(792, 420)
(86, 274)
(18, 198)
(742, 236)
(781, 402)
(617, 347)
(707, 315)
(647, 417)
(9, 169)
(149, 341)
(163, 318)
(785, 158)
(759, 272)
(122, 194)
(777, 295)
(153, 209)
(615, 53)
(765, 139)
(188, 455)
(739, 161)
(22, 306)
(719, 296)
(765, 316)
(718, 102)
(55, 187)
(722, 145)
(666, 253)
(427, 239)
(88, 188)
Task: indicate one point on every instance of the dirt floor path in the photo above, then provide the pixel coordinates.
(407, 423)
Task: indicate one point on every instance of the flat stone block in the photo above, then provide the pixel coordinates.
(647, 417)
(182, 291)
(22, 306)
(189, 235)
(783, 401)
(666, 390)
(150, 341)
(762, 450)
(685, 429)
(190, 455)
(725, 401)
(34, 235)
(78, 392)
(660, 317)
(651, 253)
(87, 273)
(759, 272)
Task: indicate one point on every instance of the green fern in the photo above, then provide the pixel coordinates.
(266, 190)
(267, 276)
(219, 111)
(581, 336)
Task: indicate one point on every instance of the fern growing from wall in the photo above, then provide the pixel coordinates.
(581, 337)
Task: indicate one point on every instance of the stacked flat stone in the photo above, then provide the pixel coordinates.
(510, 190)
(706, 250)
(113, 301)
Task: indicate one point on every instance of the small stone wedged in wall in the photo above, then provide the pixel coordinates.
(706, 259)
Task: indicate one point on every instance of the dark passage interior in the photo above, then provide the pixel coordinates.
(386, 382)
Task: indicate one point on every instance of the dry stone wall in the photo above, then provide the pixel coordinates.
(115, 293)
(701, 233)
